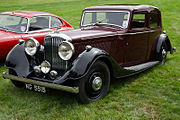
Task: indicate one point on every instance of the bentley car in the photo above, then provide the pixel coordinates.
(114, 41)
(15, 25)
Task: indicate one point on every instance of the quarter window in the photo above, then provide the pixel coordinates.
(38, 23)
(139, 20)
(154, 19)
(55, 22)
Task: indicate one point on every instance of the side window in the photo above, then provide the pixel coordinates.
(38, 23)
(139, 20)
(55, 22)
(154, 19)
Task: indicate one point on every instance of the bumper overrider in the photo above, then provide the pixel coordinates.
(45, 84)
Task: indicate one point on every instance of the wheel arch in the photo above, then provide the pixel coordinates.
(82, 64)
(163, 38)
(109, 65)
(169, 46)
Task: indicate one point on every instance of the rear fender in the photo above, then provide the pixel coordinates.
(163, 38)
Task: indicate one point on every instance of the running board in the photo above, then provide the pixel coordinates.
(143, 66)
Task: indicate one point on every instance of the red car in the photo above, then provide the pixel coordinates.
(15, 25)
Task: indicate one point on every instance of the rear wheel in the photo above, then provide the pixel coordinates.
(16, 83)
(163, 53)
(95, 84)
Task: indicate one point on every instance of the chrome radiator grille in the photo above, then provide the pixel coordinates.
(51, 53)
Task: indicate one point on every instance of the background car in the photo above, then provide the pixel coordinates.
(15, 25)
(113, 41)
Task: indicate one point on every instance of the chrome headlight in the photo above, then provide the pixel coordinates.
(31, 46)
(65, 50)
(45, 67)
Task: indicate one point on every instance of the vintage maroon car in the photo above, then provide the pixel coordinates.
(15, 25)
(113, 41)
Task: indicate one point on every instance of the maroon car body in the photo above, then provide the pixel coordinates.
(18, 23)
(114, 41)
(129, 46)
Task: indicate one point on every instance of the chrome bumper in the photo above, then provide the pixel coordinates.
(45, 84)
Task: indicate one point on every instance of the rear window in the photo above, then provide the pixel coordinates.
(154, 19)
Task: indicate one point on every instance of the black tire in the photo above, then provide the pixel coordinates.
(163, 54)
(16, 83)
(99, 75)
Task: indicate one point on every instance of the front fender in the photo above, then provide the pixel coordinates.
(85, 60)
(18, 61)
(81, 64)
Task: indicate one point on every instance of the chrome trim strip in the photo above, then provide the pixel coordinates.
(28, 24)
(42, 30)
(45, 84)
(49, 22)
(122, 34)
(61, 35)
(135, 33)
(85, 38)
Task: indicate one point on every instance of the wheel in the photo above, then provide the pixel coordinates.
(163, 54)
(95, 84)
(16, 83)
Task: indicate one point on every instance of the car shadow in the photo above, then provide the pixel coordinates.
(118, 83)
(2, 62)
(66, 98)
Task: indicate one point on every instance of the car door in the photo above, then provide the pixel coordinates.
(101, 36)
(136, 40)
(155, 31)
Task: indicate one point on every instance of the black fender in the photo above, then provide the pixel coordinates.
(18, 61)
(161, 39)
(85, 60)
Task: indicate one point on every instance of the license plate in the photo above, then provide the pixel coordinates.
(36, 88)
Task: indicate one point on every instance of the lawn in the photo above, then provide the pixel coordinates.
(154, 94)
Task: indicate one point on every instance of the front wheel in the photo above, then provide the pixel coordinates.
(16, 83)
(95, 84)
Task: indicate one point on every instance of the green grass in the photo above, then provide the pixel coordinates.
(154, 94)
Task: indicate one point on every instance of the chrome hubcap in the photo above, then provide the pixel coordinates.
(164, 53)
(97, 83)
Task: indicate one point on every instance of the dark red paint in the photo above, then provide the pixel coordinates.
(128, 46)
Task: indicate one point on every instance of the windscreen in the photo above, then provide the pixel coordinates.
(117, 18)
(13, 23)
